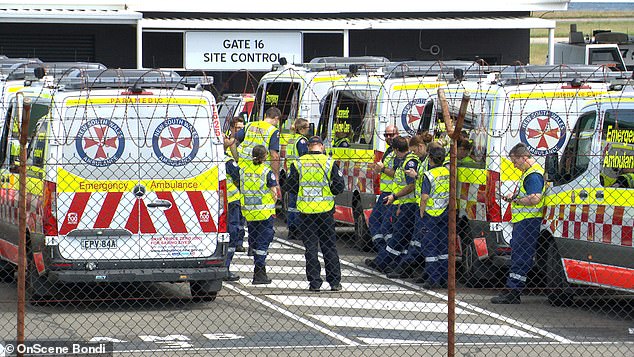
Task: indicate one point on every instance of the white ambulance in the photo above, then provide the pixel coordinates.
(535, 105)
(361, 106)
(126, 183)
(589, 218)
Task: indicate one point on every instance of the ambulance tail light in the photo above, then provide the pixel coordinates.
(376, 181)
(494, 211)
(222, 206)
(50, 208)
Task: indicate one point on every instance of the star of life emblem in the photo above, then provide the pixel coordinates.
(543, 131)
(175, 142)
(99, 142)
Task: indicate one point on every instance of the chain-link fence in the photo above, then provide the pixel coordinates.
(146, 234)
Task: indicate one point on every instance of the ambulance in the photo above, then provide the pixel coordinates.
(126, 183)
(299, 90)
(234, 105)
(589, 219)
(535, 105)
(360, 107)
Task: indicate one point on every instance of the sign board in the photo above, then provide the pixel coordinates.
(236, 50)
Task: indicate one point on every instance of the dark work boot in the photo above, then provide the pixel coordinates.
(259, 276)
(231, 277)
(507, 297)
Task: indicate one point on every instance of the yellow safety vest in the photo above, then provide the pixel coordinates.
(439, 193)
(400, 181)
(629, 178)
(314, 195)
(337, 142)
(256, 199)
(233, 193)
(422, 168)
(292, 154)
(255, 133)
(387, 181)
(521, 212)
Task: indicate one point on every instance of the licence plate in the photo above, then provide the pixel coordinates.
(99, 243)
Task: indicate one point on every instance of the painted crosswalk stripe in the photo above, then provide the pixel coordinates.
(275, 257)
(347, 287)
(276, 245)
(366, 304)
(299, 270)
(421, 325)
(391, 341)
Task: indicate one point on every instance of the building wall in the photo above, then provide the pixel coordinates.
(112, 45)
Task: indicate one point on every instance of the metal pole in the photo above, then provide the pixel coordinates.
(454, 135)
(24, 112)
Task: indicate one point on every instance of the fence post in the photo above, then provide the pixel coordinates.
(454, 134)
(24, 113)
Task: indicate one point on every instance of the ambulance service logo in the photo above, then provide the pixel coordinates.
(99, 142)
(543, 131)
(175, 142)
(411, 115)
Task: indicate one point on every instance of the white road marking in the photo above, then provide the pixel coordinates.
(390, 341)
(347, 287)
(367, 304)
(417, 325)
(274, 269)
(275, 257)
(292, 316)
(273, 245)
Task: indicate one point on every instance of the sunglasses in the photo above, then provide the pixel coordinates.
(389, 135)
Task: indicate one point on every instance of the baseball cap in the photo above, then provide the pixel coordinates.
(315, 140)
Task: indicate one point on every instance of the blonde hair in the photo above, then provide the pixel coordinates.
(259, 154)
(298, 123)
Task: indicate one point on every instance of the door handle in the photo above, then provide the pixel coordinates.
(160, 203)
(583, 194)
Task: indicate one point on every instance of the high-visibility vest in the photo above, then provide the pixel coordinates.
(338, 142)
(439, 193)
(314, 195)
(387, 182)
(256, 198)
(292, 154)
(423, 167)
(521, 212)
(255, 133)
(400, 180)
(233, 193)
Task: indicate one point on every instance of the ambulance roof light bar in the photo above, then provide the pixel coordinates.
(126, 78)
(559, 73)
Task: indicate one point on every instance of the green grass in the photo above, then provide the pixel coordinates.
(586, 22)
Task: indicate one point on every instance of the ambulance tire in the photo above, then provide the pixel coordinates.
(558, 290)
(475, 273)
(363, 241)
(38, 288)
(7, 272)
(204, 290)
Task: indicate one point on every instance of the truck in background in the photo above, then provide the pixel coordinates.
(612, 49)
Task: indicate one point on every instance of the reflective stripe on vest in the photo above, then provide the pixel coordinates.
(292, 154)
(400, 181)
(314, 194)
(233, 193)
(629, 178)
(521, 212)
(255, 133)
(256, 201)
(338, 142)
(422, 168)
(439, 193)
(387, 181)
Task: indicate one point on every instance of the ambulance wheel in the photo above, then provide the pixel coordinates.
(7, 272)
(475, 273)
(204, 290)
(38, 288)
(559, 291)
(363, 240)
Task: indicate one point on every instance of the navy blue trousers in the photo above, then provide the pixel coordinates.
(318, 231)
(261, 234)
(233, 226)
(435, 246)
(381, 222)
(402, 233)
(523, 247)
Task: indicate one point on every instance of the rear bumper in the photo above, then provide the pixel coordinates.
(138, 275)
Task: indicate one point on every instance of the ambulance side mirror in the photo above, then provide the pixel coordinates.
(311, 130)
(552, 167)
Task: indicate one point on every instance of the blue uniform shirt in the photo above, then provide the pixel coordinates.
(425, 186)
(411, 164)
(534, 183)
(302, 146)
